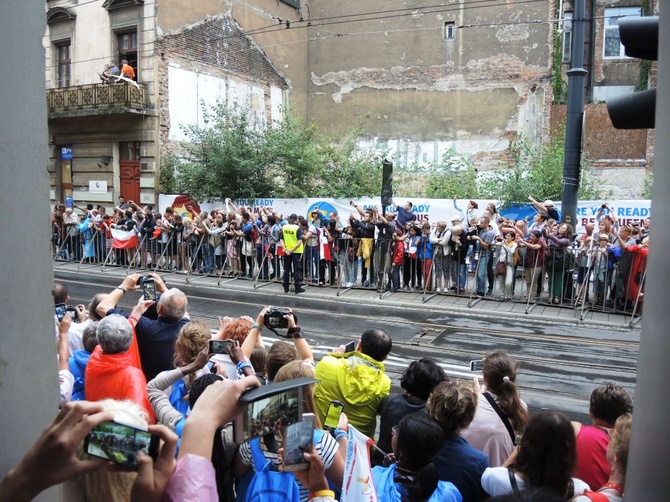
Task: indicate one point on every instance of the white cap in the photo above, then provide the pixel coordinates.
(548, 202)
(455, 218)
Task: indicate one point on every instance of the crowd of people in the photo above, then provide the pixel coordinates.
(438, 440)
(474, 254)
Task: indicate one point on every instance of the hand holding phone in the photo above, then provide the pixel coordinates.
(149, 289)
(120, 443)
(298, 439)
(350, 347)
(220, 346)
(476, 365)
(335, 409)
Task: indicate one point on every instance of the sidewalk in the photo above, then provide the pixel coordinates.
(463, 306)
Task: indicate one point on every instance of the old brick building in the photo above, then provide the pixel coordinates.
(464, 78)
(107, 139)
(620, 158)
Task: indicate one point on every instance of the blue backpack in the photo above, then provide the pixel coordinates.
(267, 485)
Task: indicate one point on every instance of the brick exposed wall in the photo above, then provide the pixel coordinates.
(218, 47)
(606, 146)
(220, 44)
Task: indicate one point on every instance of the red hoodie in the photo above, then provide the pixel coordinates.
(113, 376)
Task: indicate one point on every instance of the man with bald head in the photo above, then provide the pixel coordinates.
(155, 337)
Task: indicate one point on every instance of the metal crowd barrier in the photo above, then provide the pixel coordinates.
(584, 280)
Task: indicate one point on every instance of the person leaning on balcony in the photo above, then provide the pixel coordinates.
(110, 73)
(127, 70)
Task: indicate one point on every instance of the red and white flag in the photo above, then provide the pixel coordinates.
(357, 484)
(324, 249)
(124, 239)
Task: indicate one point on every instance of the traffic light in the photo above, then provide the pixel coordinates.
(639, 36)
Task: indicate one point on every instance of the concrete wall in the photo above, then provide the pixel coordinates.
(28, 364)
(471, 94)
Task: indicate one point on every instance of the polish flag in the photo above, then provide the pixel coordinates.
(124, 239)
(324, 247)
(357, 483)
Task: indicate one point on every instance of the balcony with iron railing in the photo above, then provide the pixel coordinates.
(96, 99)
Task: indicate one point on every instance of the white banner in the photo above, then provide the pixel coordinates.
(432, 210)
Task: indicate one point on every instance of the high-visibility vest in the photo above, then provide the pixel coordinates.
(290, 233)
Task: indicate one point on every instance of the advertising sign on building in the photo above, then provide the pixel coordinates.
(97, 186)
(66, 152)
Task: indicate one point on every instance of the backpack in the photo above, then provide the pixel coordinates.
(267, 485)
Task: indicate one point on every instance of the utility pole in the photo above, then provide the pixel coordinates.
(575, 117)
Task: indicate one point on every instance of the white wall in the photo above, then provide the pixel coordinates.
(188, 90)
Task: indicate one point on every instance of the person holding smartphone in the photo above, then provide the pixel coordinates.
(168, 391)
(55, 457)
(155, 337)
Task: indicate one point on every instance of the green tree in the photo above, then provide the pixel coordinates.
(169, 180)
(347, 170)
(536, 170)
(455, 176)
(292, 154)
(228, 157)
(224, 157)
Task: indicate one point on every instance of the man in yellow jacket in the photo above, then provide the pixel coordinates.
(356, 379)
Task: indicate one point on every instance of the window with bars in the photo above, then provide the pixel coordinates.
(449, 30)
(612, 47)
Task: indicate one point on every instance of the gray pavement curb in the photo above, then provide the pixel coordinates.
(357, 299)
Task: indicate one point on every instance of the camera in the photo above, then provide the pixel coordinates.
(142, 279)
(61, 310)
(274, 317)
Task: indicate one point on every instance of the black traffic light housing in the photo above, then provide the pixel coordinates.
(639, 36)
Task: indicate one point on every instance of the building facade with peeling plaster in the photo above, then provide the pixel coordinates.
(458, 78)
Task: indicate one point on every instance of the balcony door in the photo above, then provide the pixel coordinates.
(129, 170)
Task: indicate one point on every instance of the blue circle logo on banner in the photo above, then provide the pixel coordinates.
(325, 208)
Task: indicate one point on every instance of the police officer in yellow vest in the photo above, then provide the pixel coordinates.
(292, 244)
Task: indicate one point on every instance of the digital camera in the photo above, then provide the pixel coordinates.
(142, 279)
(274, 318)
(61, 311)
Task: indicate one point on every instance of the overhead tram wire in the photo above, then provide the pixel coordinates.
(380, 15)
(344, 20)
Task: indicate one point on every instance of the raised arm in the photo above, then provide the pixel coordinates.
(357, 207)
(536, 204)
(254, 336)
(301, 345)
(110, 301)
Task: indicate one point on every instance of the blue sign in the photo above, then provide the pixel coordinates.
(68, 201)
(66, 152)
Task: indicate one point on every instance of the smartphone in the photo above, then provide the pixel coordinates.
(476, 365)
(220, 346)
(335, 409)
(350, 347)
(149, 289)
(120, 443)
(297, 439)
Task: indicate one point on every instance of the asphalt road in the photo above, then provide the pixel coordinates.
(560, 363)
